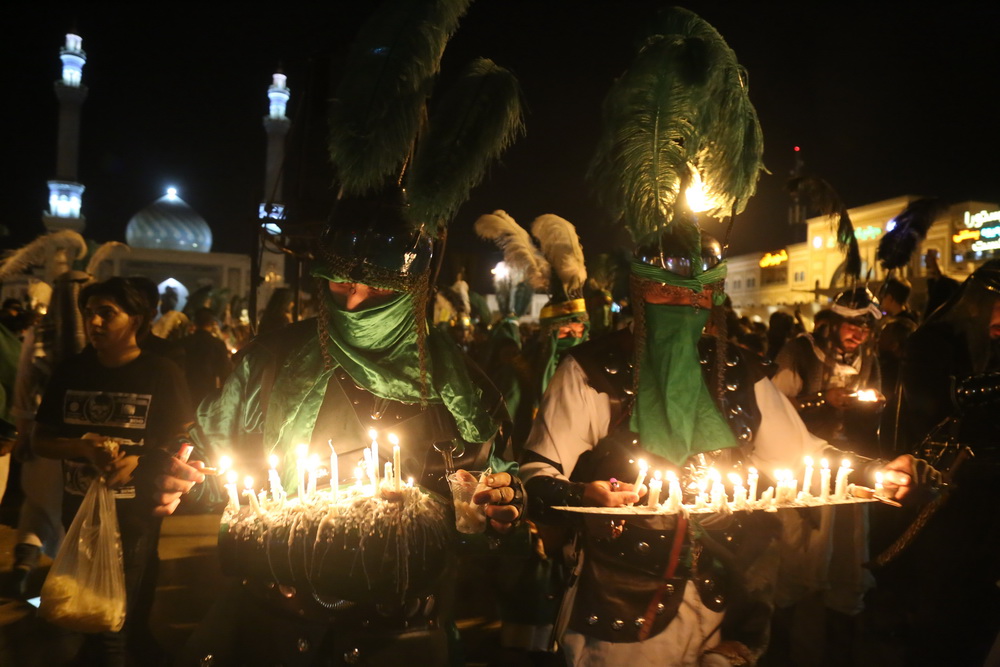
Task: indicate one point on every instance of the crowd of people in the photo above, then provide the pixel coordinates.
(117, 385)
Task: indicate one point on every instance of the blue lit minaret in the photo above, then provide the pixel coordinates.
(276, 124)
(65, 193)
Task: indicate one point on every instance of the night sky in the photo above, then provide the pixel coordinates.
(883, 102)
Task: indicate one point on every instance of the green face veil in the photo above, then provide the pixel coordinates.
(674, 413)
(378, 348)
(559, 346)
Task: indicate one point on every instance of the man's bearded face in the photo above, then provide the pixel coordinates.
(852, 336)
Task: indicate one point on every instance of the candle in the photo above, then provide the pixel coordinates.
(397, 468)
(234, 498)
(313, 468)
(249, 493)
(718, 494)
(675, 498)
(701, 500)
(767, 498)
(334, 471)
(371, 457)
(358, 474)
(655, 485)
(791, 486)
(739, 492)
(752, 482)
(824, 481)
(840, 488)
(808, 479)
(643, 468)
(274, 480)
(387, 472)
(409, 482)
(301, 455)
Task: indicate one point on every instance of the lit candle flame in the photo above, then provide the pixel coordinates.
(225, 463)
(809, 461)
(372, 433)
(232, 476)
(302, 451)
(393, 439)
(272, 460)
(824, 463)
(248, 482)
(735, 479)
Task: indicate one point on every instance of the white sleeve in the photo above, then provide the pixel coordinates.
(788, 382)
(572, 419)
(782, 438)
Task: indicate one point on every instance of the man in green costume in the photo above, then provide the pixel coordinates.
(368, 361)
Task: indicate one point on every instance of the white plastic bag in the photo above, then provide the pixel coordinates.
(85, 589)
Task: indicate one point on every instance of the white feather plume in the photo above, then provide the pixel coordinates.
(42, 250)
(103, 252)
(462, 289)
(519, 252)
(561, 246)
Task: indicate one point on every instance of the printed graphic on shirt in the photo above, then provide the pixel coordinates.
(106, 408)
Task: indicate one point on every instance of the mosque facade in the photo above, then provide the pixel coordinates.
(168, 241)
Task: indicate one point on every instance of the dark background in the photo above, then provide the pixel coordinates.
(884, 101)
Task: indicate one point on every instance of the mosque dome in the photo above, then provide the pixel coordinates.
(169, 223)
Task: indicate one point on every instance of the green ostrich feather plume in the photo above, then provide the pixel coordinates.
(680, 113)
(378, 107)
(475, 121)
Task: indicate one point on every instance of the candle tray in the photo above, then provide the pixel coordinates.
(361, 548)
(643, 510)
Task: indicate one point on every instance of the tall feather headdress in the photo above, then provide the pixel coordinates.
(384, 127)
(56, 251)
(910, 227)
(819, 196)
(560, 245)
(519, 252)
(679, 116)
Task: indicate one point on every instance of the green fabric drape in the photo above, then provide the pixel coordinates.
(558, 347)
(377, 346)
(674, 414)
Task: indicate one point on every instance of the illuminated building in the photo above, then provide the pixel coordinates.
(170, 243)
(272, 208)
(805, 275)
(65, 192)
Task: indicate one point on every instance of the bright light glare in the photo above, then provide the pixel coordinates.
(698, 199)
(500, 270)
(171, 193)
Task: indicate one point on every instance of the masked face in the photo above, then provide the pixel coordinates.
(357, 296)
(669, 295)
(572, 330)
(852, 336)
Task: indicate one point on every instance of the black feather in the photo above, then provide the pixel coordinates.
(898, 245)
(819, 196)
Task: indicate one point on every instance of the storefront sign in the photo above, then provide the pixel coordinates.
(977, 220)
(965, 235)
(774, 259)
(867, 233)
